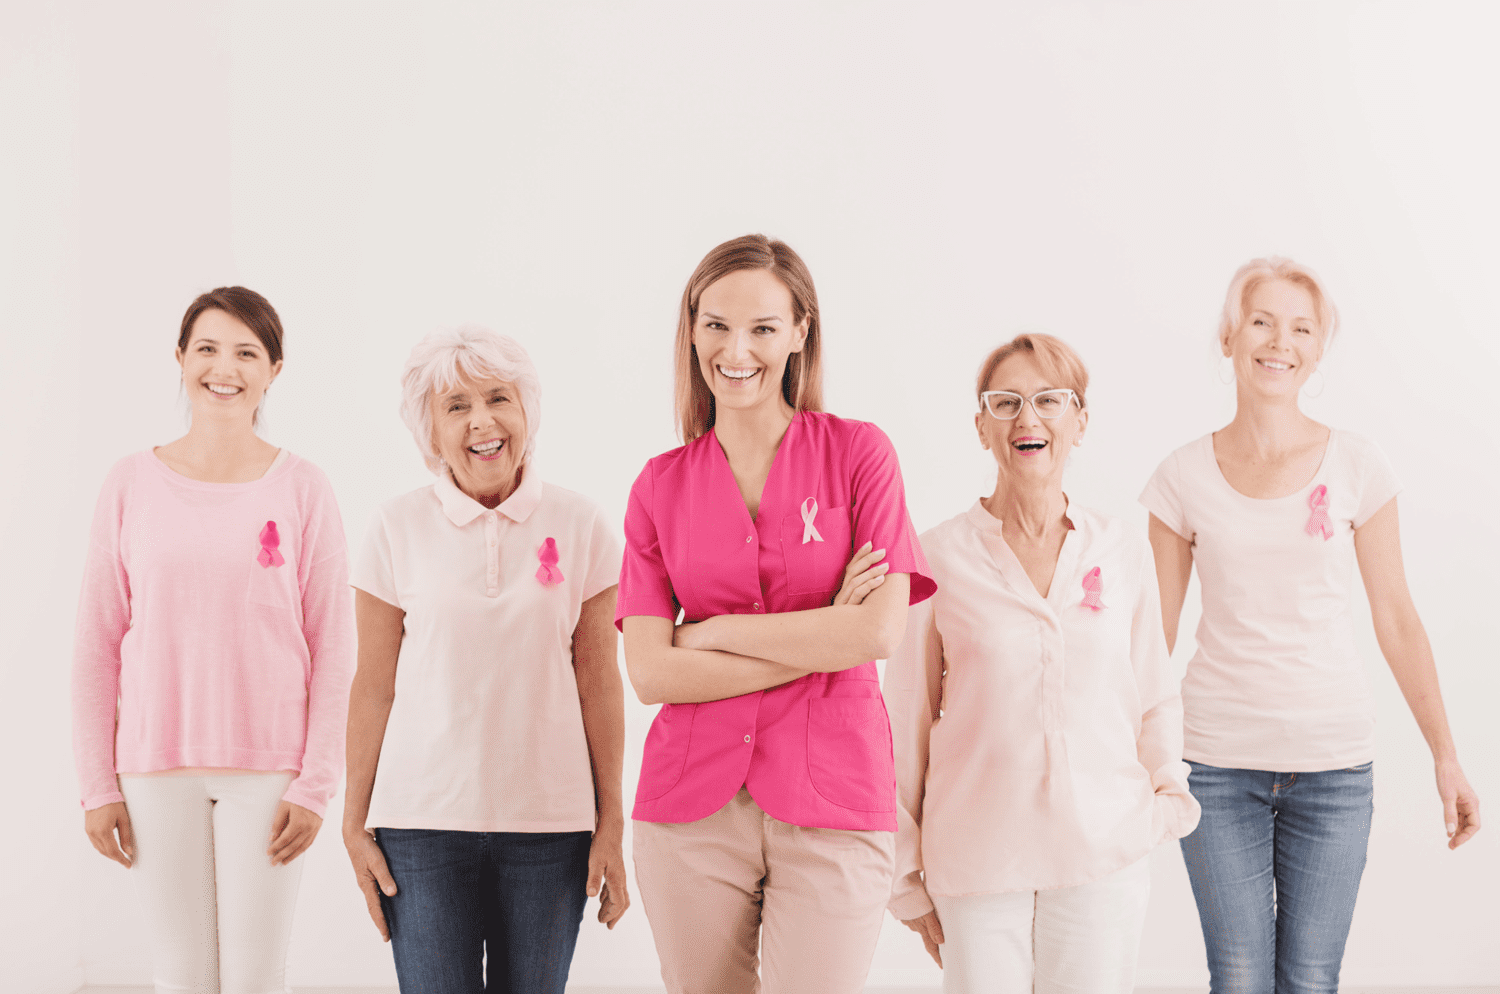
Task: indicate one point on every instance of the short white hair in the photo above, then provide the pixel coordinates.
(437, 362)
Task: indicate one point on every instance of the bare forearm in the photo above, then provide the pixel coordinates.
(692, 676)
(369, 710)
(601, 697)
(1409, 655)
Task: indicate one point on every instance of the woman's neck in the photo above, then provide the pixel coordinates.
(753, 435)
(1266, 428)
(1028, 510)
(215, 451)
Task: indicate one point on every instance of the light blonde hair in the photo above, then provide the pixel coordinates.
(1059, 363)
(801, 383)
(1274, 267)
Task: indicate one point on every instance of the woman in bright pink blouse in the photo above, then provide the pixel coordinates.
(766, 807)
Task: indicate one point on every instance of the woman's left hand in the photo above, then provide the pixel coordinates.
(1460, 803)
(292, 831)
(607, 871)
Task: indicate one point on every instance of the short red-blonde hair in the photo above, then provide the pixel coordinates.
(802, 383)
(1276, 267)
(1059, 363)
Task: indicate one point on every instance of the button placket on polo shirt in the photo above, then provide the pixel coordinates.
(491, 554)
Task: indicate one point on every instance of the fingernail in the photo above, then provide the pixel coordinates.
(389, 891)
(1452, 828)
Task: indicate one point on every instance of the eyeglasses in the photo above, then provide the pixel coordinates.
(1047, 404)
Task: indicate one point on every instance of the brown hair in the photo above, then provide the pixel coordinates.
(1059, 363)
(249, 307)
(802, 383)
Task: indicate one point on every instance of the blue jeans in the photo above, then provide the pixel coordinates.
(514, 899)
(1275, 864)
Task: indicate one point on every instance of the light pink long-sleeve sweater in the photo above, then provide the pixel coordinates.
(208, 638)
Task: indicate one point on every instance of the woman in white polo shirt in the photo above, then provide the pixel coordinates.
(1275, 509)
(486, 720)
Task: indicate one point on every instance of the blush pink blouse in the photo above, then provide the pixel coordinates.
(815, 752)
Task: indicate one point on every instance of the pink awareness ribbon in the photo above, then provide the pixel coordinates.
(1317, 522)
(270, 547)
(548, 572)
(1092, 586)
(809, 512)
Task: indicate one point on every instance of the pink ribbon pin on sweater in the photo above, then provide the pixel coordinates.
(1317, 522)
(548, 572)
(1092, 586)
(270, 546)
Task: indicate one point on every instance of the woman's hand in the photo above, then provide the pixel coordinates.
(607, 871)
(371, 873)
(102, 823)
(292, 831)
(931, 931)
(1460, 803)
(862, 575)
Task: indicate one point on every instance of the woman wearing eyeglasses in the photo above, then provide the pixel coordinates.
(1038, 729)
(1275, 509)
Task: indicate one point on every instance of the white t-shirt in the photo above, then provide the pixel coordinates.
(486, 733)
(1276, 683)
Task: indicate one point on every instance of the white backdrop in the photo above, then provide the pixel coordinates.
(951, 176)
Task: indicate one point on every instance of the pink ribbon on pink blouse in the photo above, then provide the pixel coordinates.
(1092, 586)
(548, 572)
(1317, 522)
(270, 546)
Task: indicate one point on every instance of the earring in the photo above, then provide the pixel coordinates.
(1222, 379)
(1322, 383)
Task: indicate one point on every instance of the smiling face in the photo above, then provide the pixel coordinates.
(479, 430)
(1278, 343)
(225, 368)
(1029, 447)
(743, 334)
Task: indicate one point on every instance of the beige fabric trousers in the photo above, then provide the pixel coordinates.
(811, 899)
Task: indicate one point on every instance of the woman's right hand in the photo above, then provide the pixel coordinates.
(931, 931)
(862, 575)
(372, 873)
(102, 823)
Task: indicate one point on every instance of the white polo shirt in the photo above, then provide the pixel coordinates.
(486, 733)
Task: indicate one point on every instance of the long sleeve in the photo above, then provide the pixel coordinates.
(103, 620)
(913, 694)
(1159, 741)
(328, 626)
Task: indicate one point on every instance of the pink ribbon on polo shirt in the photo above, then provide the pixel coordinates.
(1092, 586)
(1317, 522)
(809, 512)
(270, 546)
(548, 572)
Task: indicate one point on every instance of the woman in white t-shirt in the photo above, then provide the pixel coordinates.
(486, 721)
(1275, 509)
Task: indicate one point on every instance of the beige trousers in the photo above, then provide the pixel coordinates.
(739, 889)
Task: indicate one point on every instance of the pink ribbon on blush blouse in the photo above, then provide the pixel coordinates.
(548, 572)
(1092, 587)
(1317, 522)
(270, 546)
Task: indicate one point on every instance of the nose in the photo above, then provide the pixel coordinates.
(480, 418)
(1033, 419)
(738, 348)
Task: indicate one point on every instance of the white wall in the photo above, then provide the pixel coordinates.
(951, 176)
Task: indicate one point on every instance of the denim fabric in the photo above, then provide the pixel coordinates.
(1275, 864)
(484, 911)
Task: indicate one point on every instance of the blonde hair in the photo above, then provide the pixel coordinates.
(1059, 363)
(1257, 271)
(440, 358)
(801, 383)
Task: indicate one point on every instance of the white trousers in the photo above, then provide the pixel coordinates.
(219, 914)
(1074, 940)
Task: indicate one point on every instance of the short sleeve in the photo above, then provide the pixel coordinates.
(1377, 479)
(879, 512)
(373, 572)
(645, 587)
(1163, 496)
(604, 558)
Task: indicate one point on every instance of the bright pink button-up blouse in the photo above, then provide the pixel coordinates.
(814, 752)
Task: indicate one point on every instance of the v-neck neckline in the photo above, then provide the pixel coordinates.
(1009, 564)
(718, 448)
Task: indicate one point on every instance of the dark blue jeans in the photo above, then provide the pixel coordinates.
(484, 911)
(1275, 864)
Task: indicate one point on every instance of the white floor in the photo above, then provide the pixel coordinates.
(868, 990)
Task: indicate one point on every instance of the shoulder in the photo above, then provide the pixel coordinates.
(1356, 448)
(411, 506)
(125, 471)
(1184, 459)
(1107, 535)
(843, 430)
(568, 504)
(948, 537)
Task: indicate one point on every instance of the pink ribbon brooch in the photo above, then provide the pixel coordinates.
(548, 572)
(270, 546)
(1317, 522)
(1092, 586)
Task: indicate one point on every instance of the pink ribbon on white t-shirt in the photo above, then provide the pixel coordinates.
(270, 546)
(1317, 522)
(809, 512)
(1092, 586)
(548, 572)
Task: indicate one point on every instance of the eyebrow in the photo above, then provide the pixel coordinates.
(764, 320)
(215, 341)
(1270, 315)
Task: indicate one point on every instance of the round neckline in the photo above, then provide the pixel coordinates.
(1317, 476)
(187, 481)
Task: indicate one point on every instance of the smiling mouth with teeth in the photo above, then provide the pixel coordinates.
(738, 377)
(1029, 445)
(222, 390)
(488, 450)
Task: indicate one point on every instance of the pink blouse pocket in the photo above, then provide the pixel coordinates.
(666, 751)
(849, 753)
(816, 567)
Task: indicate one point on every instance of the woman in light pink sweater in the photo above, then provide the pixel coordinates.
(211, 668)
